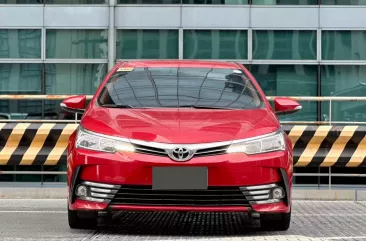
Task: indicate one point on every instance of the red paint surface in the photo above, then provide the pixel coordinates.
(180, 126)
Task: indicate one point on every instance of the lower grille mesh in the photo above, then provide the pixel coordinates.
(213, 196)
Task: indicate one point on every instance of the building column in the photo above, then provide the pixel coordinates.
(111, 35)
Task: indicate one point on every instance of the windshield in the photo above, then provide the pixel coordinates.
(180, 87)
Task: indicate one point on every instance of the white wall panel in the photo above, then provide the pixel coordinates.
(215, 17)
(22, 16)
(149, 17)
(76, 16)
(284, 17)
(345, 17)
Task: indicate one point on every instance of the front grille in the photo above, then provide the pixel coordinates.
(213, 196)
(219, 150)
(148, 150)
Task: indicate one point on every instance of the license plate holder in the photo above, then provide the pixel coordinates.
(179, 178)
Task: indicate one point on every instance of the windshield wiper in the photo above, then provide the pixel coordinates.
(204, 107)
(116, 106)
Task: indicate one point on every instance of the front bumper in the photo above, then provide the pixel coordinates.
(236, 183)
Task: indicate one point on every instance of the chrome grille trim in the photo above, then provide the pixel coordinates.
(162, 149)
(97, 195)
(214, 196)
(100, 200)
(260, 194)
(258, 197)
(256, 192)
(259, 187)
(93, 189)
(267, 201)
(140, 148)
(102, 185)
(99, 192)
(168, 146)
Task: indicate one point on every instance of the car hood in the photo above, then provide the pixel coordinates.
(180, 126)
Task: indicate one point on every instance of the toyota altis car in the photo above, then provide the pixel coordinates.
(179, 136)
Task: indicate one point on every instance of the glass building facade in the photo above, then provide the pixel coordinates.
(292, 47)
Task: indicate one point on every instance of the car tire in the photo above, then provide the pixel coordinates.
(275, 222)
(76, 222)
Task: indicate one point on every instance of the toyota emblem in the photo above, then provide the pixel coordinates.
(180, 154)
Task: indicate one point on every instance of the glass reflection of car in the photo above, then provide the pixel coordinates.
(179, 136)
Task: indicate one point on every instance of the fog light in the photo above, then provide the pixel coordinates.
(81, 191)
(278, 193)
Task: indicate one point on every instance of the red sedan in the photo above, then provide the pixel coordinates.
(180, 136)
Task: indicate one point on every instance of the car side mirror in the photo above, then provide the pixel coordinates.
(74, 104)
(285, 106)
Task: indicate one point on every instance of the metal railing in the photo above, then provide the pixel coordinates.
(330, 99)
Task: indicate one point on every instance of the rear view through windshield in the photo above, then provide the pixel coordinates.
(180, 87)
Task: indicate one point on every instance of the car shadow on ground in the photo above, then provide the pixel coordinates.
(180, 224)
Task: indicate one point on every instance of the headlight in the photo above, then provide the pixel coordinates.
(260, 144)
(98, 142)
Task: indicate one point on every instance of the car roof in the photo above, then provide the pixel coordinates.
(179, 63)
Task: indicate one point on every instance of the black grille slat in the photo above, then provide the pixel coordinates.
(180, 195)
(213, 196)
(212, 149)
(152, 151)
(178, 202)
(149, 153)
(149, 150)
(137, 202)
(210, 154)
(157, 192)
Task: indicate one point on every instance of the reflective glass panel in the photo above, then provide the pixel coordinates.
(284, 44)
(147, 44)
(20, 109)
(344, 80)
(20, 43)
(74, 78)
(77, 43)
(284, 2)
(21, 1)
(232, 2)
(20, 78)
(75, 1)
(149, 1)
(343, 45)
(289, 80)
(343, 2)
(215, 44)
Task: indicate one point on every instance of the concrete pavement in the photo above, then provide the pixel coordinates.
(46, 219)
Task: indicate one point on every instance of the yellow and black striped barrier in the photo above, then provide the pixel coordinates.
(34, 143)
(328, 146)
(314, 146)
